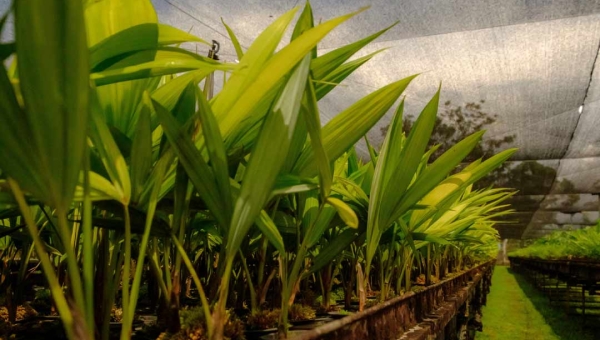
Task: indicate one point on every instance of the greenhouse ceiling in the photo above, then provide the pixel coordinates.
(530, 66)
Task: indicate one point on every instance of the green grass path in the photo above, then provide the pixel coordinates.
(516, 310)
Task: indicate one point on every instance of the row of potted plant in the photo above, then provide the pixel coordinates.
(582, 244)
(122, 169)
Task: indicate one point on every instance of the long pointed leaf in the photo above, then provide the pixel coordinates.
(141, 154)
(267, 157)
(349, 126)
(216, 149)
(269, 229)
(194, 164)
(328, 62)
(346, 213)
(311, 116)
(266, 78)
(234, 40)
(55, 88)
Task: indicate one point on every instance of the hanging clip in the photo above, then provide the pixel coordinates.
(214, 50)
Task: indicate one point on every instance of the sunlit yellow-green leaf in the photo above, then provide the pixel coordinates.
(346, 213)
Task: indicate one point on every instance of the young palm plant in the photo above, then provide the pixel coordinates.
(137, 169)
(49, 99)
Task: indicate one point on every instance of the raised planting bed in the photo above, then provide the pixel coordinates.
(573, 283)
(440, 311)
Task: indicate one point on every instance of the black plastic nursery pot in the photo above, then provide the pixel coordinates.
(438, 311)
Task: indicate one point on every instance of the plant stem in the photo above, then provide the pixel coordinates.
(188, 190)
(88, 245)
(290, 283)
(155, 267)
(125, 329)
(428, 266)
(262, 259)
(135, 287)
(59, 298)
(253, 302)
(382, 292)
(114, 277)
(72, 265)
(219, 312)
(190, 267)
(166, 264)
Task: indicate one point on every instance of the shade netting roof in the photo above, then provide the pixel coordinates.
(531, 65)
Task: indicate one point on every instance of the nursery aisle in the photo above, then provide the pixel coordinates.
(515, 310)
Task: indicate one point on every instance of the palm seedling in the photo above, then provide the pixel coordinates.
(137, 170)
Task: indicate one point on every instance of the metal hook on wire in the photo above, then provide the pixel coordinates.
(214, 50)
(209, 83)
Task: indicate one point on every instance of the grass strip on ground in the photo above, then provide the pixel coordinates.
(516, 310)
